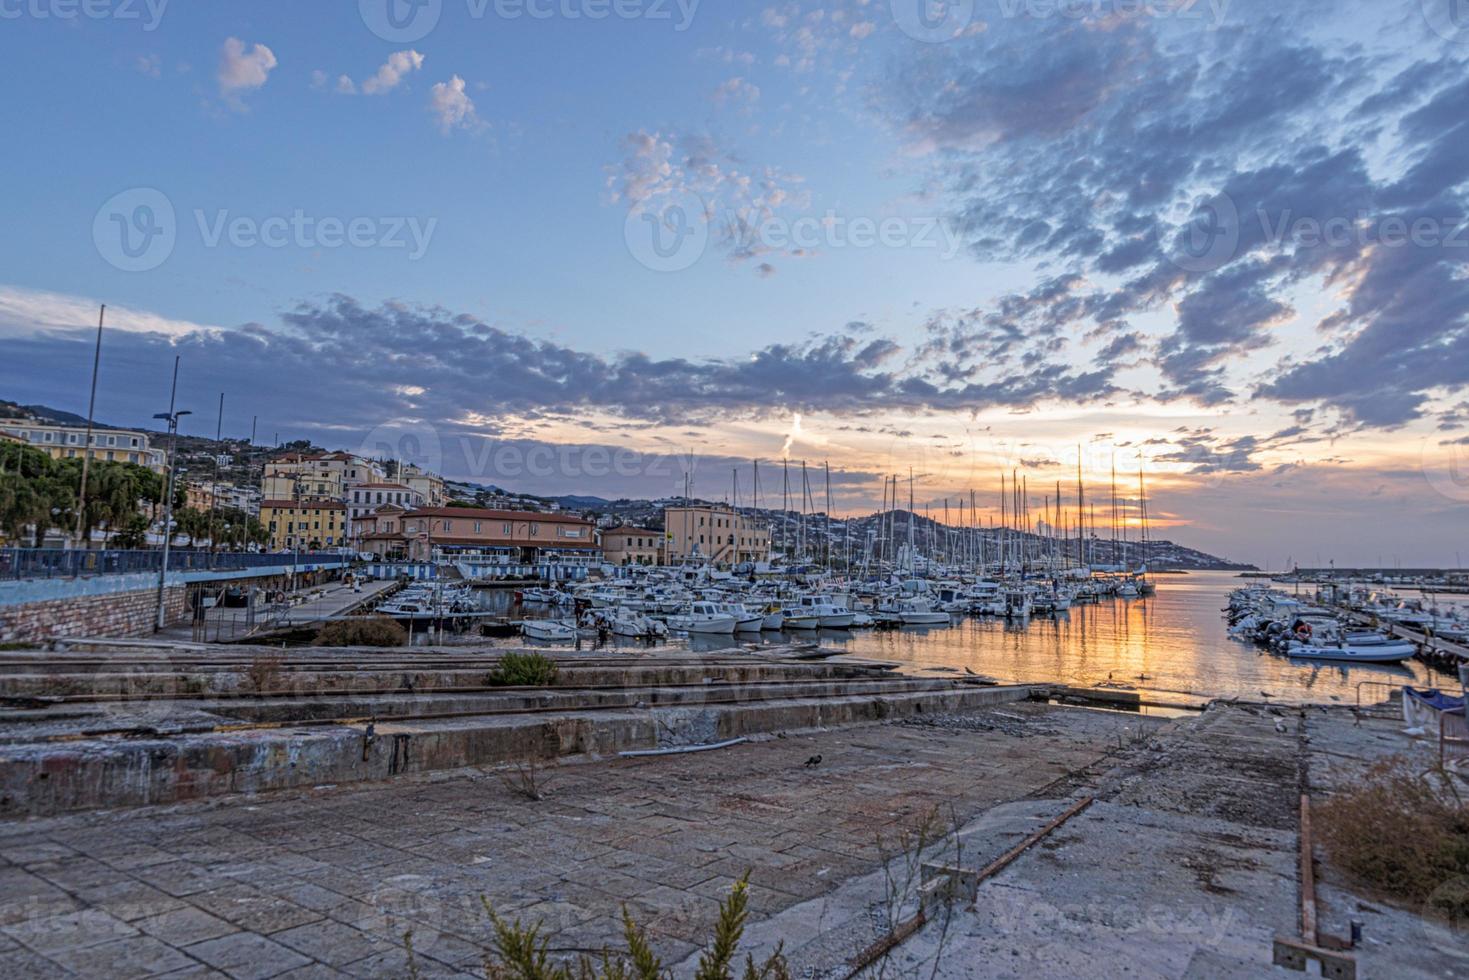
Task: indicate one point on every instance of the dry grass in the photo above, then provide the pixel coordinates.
(264, 673)
(379, 631)
(1404, 832)
(526, 780)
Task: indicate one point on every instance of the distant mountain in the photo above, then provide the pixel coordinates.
(44, 413)
(577, 502)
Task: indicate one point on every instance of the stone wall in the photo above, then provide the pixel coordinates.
(114, 614)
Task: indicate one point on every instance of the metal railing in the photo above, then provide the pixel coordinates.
(28, 563)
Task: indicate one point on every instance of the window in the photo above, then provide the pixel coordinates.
(505, 529)
(476, 527)
(535, 529)
(448, 525)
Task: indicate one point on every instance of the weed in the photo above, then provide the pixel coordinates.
(378, 631)
(264, 673)
(525, 780)
(1404, 832)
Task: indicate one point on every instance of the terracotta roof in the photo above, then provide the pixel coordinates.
(303, 505)
(483, 514)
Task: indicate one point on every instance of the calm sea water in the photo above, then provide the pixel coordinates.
(1174, 641)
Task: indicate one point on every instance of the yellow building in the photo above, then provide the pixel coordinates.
(631, 546)
(107, 445)
(713, 532)
(304, 524)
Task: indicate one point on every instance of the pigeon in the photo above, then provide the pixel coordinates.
(813, 762)
(1280, 726)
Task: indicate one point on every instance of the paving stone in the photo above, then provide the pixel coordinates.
(140, 956)
(69, 930)
(253, 910)
(22, 964)
(245, 956)
(183, 926)
(331, 942)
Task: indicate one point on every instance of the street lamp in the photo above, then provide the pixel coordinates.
(172, 417)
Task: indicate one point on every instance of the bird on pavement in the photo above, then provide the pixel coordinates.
(813, 762)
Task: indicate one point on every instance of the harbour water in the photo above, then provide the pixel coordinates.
(1175, 641)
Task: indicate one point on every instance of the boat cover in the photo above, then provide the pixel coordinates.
(1434, 698)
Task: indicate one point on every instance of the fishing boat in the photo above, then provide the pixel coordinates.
(548, 629)
(830, 613)
(703, 617)
(797, 618)
(918, 612)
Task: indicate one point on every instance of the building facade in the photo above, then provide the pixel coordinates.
(364, 498)
(632, 546)
(107, 445)
(715, 533)
(306, 524)
(523, 536)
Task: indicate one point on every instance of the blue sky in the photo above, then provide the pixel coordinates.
(1164, 233)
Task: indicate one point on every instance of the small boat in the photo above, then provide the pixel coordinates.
(1368, 653)
(548, 629)
(830, 613)
(797, 618)
(703, 617)
(918, 612)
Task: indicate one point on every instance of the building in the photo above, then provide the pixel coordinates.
(107, 445)
(364, 498)
(713, 532)
(521, 536)
(198, 496)
(429, 486)
(632, 546)
(305, 524)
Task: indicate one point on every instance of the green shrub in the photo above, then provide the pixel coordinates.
(524, 670)
(379, 631)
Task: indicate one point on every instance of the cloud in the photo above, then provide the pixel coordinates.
(241, 70)
(452, 107)
(1085, 151)
(390, 74)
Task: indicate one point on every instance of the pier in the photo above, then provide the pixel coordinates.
(322, 803)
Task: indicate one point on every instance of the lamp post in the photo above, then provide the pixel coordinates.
(172, 418)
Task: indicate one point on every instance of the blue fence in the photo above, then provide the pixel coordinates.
(21, 563)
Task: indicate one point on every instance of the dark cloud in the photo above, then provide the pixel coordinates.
(1084, 151)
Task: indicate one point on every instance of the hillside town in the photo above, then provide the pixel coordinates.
(231, 493)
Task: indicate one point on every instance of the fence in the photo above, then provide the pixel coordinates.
(24, 563)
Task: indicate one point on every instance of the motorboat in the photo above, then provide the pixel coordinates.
(548, 629)
(744, 618)
(703, 617)
(918, 612)
(799, 618)
(830, 613)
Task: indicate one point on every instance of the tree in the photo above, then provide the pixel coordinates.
(133, 533)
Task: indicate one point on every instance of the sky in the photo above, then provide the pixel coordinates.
(618, 247)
